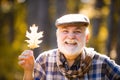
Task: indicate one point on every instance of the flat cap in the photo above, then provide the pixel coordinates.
(72, 18)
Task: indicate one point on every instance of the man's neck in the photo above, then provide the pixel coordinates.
(70, 62)
(71, 59)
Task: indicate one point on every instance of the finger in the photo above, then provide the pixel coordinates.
(27, 52)
(22, 57)
(21, 62)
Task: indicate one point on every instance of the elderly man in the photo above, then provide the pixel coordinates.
(72, 60)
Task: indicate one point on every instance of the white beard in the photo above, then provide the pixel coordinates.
(71, 49)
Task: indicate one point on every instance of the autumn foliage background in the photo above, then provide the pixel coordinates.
(16, 16)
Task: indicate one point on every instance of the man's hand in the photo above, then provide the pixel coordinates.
(26, 61)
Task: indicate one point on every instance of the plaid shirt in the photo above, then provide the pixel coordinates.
(102, 68)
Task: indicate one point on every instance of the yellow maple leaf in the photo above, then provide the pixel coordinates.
(34, 37)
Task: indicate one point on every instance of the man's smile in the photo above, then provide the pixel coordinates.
(71, 42)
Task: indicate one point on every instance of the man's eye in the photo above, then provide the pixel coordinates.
(65, 31)
(77, 32)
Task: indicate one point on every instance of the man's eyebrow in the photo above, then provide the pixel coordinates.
(63, 27)
(79, 27)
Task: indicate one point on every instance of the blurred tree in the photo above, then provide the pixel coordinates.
(60, 10)
(73, 6)
(96, 22)
(7, 18)
(10, 39)
(113, 44)
(6, 36)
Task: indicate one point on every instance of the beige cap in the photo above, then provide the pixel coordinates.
(72, 18)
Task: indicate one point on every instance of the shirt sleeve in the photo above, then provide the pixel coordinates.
(39, 71)
(39, 74)
(112, 70)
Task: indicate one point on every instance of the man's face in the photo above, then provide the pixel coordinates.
(71, 40)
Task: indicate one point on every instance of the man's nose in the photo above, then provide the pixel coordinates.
(71, 35)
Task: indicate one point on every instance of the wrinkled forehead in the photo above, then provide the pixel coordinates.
(72, 27)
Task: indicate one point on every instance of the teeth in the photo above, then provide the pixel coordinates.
(71, 42)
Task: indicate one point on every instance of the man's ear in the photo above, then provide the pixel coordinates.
(87, 35)
(87, 38)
